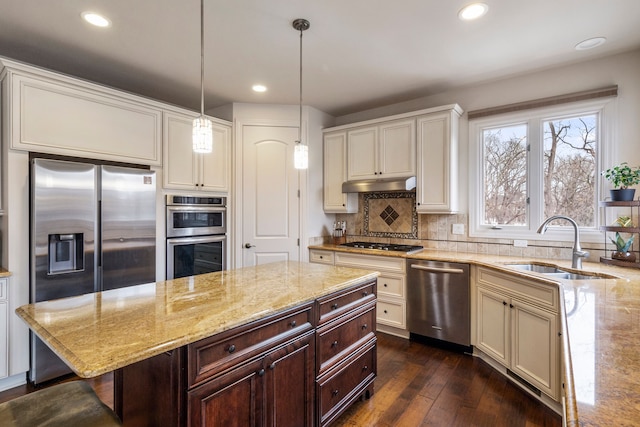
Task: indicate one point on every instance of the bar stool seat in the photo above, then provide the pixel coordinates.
(64, 405)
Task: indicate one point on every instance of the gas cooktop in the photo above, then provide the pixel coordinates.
(408, 249)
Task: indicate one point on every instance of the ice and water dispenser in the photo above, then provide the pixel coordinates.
(66, 253)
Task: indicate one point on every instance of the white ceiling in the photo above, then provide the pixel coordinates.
(358, 54)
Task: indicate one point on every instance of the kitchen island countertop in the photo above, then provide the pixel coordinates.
(600, 334)
(101, 332)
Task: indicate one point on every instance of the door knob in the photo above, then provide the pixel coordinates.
(249, 245)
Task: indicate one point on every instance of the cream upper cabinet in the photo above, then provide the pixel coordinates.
(437, 165)
(518, 325)
(335, 173)
(186, 170)
(4, 328)
(385, 150)
(57, 114)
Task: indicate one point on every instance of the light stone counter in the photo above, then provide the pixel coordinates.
(601, 334)
(100, 332)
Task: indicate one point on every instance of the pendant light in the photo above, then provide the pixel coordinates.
(202, 126)
(301, 151)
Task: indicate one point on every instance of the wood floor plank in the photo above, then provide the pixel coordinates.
(419, 385)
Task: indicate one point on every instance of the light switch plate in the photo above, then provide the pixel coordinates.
(457, 229)
(520, 243)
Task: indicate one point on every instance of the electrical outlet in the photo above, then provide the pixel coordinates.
(457, 229)
(520, 243)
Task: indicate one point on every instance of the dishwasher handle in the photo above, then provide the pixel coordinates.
(437, 269)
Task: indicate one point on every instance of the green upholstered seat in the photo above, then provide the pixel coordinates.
(72, 404)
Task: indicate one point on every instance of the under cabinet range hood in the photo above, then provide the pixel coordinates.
(383, 184)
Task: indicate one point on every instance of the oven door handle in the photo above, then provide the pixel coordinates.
(199, 239)
(437, 269)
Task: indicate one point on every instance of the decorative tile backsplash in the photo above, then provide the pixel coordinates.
(390, 215)
(391, 218)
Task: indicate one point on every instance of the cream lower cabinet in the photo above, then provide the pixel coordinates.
(517, 325)
(391, 308)
(186, 170)
(4, 328)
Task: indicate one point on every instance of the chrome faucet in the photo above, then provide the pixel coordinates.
(578, 253)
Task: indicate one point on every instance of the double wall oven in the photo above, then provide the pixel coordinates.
(196, 235)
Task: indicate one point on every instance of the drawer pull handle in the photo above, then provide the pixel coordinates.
(334, 306)
(504, 303)
(231, 348)
(365, 293)
(321, 257)
(261, 372)
(365, 326)
(365, 368)
(385, 285)
(385, 312)
(335, 392)
(272, 366)
(293, 323)
(334, 344)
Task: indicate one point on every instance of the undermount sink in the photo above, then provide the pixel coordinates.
(558, 273)
(537, 268)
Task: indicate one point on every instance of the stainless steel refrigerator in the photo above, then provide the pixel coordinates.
(93, 228)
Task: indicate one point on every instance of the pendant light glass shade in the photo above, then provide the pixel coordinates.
(202, 127)
(301, 156)
(202, 135)
(301, 151)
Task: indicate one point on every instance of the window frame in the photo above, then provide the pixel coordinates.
(534, 118)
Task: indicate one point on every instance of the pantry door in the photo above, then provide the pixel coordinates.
(269, 193)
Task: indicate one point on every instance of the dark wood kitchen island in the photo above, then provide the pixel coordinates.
(282, 344)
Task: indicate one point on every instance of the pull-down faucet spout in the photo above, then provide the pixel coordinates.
(578, 253)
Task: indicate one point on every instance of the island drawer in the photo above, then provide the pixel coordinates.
(340, 338)
(337, 304)
(222, 352)
(341, 386)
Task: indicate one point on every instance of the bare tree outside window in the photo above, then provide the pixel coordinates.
(505, 175)
(570, 168)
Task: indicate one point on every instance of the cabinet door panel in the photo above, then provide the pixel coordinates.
(335, 173)
(289, 384)
(534, 351)
(362, 154)
(234, 399)
(493, 323)
(398, 149)
(180, 162)
(215, 165)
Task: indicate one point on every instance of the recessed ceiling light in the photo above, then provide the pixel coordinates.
(259, 88)
(473, 11)
(96, 19)
(590, 43)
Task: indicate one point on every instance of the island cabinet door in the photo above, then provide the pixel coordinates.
(290, 384)
(234, 399)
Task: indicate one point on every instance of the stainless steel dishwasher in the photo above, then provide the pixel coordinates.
(438, 303)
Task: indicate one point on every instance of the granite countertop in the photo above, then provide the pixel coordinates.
(601, 334)
(100, 332)
(4, 272)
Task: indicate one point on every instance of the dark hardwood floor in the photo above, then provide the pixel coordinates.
(419, 385)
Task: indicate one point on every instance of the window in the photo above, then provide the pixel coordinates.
(530, 165)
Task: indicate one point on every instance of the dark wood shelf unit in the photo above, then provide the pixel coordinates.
(615, 228)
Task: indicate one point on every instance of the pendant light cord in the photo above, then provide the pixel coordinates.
(202, 57)
(300, 112)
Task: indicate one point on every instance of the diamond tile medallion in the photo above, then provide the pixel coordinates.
(390, 215)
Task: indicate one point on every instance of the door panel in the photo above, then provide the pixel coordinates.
(269, 195)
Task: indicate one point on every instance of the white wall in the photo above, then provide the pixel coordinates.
(621, 69)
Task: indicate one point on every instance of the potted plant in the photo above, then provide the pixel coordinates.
(622, 176)
(622, 248)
